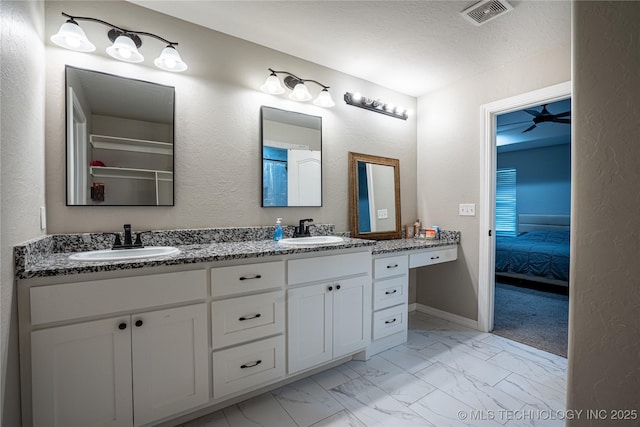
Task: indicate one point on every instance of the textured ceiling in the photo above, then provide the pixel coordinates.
(413, 47)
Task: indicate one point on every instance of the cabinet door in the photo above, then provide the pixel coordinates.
(351, 315)
(170, 361)
(81, 374)
(309, 326)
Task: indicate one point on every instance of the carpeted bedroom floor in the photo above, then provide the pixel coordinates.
(539, 319)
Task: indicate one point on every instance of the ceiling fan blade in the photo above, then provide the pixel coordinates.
(534, 113)
(529, 128)
(567, 121)
(566, 113)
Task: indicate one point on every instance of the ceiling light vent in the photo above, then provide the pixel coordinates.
(486, 10)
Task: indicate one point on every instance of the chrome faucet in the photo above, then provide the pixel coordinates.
(301, 230)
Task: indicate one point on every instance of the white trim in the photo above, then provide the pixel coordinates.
(413, 306)
(486, 275)
(445, 315)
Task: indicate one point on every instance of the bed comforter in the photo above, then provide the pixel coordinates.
(541, 253)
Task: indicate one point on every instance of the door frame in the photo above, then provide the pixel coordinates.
(488, 162)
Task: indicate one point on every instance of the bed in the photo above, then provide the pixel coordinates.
(539, 253)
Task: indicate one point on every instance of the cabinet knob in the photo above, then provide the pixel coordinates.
(139, 323)
(330, 288)
(122, 326)
(338, 287)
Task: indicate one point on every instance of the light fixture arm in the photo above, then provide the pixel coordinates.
(297, 79)
(115, 27)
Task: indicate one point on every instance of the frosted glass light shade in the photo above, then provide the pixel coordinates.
(300, 93)
(324, 99)
(272, 85)
(125, 49)
(170, 60)
(71, 36)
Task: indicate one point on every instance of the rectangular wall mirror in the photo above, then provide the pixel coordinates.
(120, 140)
(374, 197)
(291, 158)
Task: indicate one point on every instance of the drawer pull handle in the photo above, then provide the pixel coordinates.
(330, 288)
(435, 257)
(255, 316)
(338, 287)
(251, 365)
(392, 266)
(391, 292)
(390, 321)
(139, 323)
(257, 276)
(122, 326)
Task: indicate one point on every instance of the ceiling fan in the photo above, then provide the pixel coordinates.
(545, 116)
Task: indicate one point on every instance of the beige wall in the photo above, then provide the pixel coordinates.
(217, 131)
(604, 321)
(22, 85)
(448, 152)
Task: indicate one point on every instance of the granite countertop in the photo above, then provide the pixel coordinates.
(49, 256)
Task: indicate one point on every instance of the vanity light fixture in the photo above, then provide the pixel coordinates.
(300, 92)
(377, 105)
(125, 43)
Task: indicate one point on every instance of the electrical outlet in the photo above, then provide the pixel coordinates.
(383, 214)
(43, 218)
(467, 209)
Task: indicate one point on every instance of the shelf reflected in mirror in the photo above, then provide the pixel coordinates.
(120, 140)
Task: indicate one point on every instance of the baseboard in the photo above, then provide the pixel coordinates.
(463, 321)
(413, 306)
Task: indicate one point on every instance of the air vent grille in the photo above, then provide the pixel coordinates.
(485, 11)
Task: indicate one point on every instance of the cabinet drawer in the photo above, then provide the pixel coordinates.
(247, 318)
(390, 266)
(82, 299)
(329, 267)
(387, 293)
(389, 321)
(246, 278)
(247, 366)
(449, 253)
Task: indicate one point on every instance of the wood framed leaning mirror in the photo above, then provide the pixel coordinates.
(374, 197)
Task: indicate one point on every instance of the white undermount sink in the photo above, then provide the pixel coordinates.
(124, 254)
(312, 241)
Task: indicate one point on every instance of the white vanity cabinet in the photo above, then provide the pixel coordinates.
(329, 308)
(128, 369)
(247, 326)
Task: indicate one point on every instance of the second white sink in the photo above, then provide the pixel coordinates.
(124, 254)
(312, 241)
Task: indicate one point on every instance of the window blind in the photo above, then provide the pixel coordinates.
(506, 224)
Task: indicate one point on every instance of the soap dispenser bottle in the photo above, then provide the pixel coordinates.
(277, 234)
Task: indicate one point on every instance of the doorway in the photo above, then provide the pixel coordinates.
(487, 212)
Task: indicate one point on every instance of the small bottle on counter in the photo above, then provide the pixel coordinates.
(277, 234)
(416, 228)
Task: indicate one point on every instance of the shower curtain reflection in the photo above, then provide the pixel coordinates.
(274, 177)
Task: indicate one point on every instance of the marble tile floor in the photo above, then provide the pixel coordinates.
(444, 375)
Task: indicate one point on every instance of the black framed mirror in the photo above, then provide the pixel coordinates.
(291, 158)
(374, 197)
(120, 140)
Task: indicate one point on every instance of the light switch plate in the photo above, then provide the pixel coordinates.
(467, 209)
(383, 214)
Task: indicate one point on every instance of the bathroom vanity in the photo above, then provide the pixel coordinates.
(153, 341)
